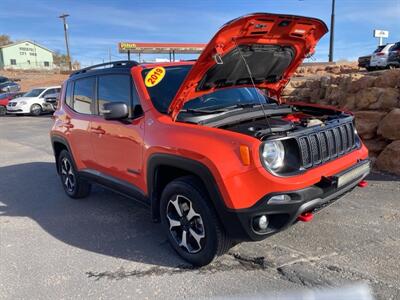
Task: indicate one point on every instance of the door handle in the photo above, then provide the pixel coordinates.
(67, 125)
(97, 130)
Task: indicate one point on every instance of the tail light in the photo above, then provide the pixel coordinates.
(380, 54)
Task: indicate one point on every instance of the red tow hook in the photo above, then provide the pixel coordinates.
(305, 217)
(363, 183)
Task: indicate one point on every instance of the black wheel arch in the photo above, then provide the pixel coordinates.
(174, 166)
(59, 143)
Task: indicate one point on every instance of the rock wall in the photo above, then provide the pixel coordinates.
(373, 97)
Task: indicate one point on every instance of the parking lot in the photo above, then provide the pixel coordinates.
(107, 247)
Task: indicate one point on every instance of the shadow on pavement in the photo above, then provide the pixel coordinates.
(104, 223)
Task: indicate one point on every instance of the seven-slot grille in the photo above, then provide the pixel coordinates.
(320, 147)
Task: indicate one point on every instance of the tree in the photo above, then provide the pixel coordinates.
(5, 39)
(60, 59)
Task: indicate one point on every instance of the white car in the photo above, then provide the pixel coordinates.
(380, 57)
(31, 102)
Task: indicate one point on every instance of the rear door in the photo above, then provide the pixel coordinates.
(76, 121)
(118, 144)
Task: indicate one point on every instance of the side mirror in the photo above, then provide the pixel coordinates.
(115, 111)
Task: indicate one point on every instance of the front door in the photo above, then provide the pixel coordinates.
(117, 145)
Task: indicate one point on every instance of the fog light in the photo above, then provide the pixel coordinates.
(261, 223)
(279, 199)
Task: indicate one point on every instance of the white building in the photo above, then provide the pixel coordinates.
(26, 55)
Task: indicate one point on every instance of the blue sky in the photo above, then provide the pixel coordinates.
(97, 26)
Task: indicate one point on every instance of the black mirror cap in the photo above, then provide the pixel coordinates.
(115, 111)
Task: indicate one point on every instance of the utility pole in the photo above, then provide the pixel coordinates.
(331, 39)
(64, 17)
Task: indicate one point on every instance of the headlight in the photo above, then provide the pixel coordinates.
(22, 103)
(273, 154)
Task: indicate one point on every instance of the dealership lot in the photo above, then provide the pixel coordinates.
(106, 246)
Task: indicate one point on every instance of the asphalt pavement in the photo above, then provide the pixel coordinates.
(106, 247)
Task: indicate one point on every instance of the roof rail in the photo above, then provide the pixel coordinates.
(113, 64)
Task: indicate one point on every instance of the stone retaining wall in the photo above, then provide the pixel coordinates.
(373, 97)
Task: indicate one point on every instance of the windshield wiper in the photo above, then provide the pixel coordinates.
(222, 109)
(242, 105)
(203, 111)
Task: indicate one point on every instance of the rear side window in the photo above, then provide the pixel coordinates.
(84, 95)
(68, 94)
(114, 88)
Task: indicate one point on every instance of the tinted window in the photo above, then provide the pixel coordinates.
(68, 94)
(228, 97)
(396, 47)
(34, 93)
(114, 88)
(83, 95)
(162, 94)
(51, 91)
(379, 49)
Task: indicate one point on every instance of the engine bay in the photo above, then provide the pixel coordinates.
(299, 119)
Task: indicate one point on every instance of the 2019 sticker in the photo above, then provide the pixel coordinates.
(154, 76)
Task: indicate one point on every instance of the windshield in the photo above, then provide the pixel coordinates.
(379, 49)
(33, 93)
(162, 93)
(396, 47)
(3, 79)
(229, 97)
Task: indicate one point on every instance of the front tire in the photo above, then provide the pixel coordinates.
(36, 109)
(191, 223)
(74, 186)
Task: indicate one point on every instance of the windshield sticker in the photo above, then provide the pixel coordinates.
(154, 77)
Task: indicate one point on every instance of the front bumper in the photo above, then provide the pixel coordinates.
(394, 62)
(48, 107)
(239, 223)
(17, 110)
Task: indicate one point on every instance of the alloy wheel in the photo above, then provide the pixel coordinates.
(36, 109)
(67, 174)
(185, 224)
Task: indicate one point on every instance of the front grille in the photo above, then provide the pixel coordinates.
(323, 146)
(12, 104)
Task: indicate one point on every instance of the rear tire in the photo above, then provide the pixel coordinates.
(191, 223)
(74, 186)
(36, 109)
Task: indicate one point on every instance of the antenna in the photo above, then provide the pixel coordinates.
(252, 82)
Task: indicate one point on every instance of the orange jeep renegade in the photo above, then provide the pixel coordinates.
(210, 145)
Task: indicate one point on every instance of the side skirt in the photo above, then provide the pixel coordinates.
(119, 186)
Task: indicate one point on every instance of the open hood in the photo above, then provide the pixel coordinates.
(272, 45)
